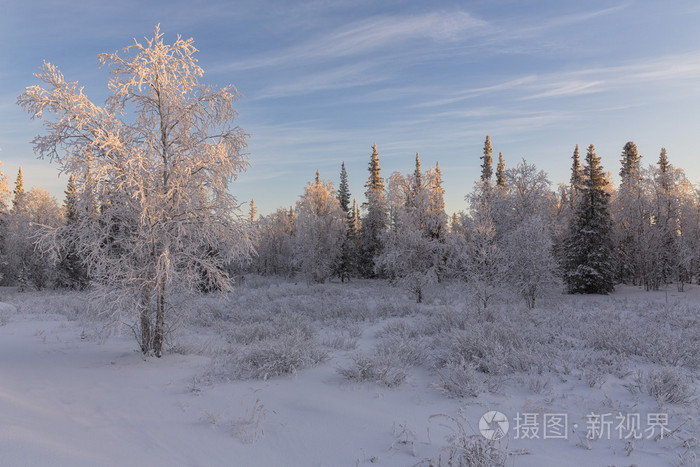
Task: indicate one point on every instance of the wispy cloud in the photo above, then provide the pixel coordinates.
(567, 88)
(516, 36)
(478, 91)
(337, 78)
(666, 71)
(362, 37)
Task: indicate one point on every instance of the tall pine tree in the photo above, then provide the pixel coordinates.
(631, 218)
(375, 222)
(344, 191)
(345, 264)
(72, 271)
(665, 223)
(588, 265)
(486, 165)
(253, 211)
(501, 171)
(416, 182)
(575, 180)
(18, 203)
(71, 201)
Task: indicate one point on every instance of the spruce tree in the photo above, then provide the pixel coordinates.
(345, 263)
(588, 265)
(375, 222)
(486, 165)
(19, 193)
(666, 223)
(437, 217)
(344, 191)
(501, 171)
(354, 239)
(631, 218)
(664, 168)
(355, 219)
(253, 211)
(416, 182)
(575, 180)
(629, 172)
(71, 201)
(73, 273)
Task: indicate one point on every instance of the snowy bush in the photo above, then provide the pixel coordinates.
(270, 329)
(383, 369)
(278, 356)
(467, 450)
(668, 384)
(530, 267)
(459, 379)
(410, 259)
(498, 348)
(339, 341)
(399, 348)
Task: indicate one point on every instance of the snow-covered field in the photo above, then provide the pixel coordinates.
(355, 374)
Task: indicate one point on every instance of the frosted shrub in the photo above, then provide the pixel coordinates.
(343, 339)
(389, 362)
(459, 379)
(444, 320)
(409, 352)
(499, 348)
(595, 376)
(278, 356)
(669, 384)
(530, 267)
(476, 346)
(381, 369)
(466, 450)
(389, 309)
(614, 336)
(268, 329)
(539, 384)
(249, 427)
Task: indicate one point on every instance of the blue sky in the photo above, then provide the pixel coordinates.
(323, 80)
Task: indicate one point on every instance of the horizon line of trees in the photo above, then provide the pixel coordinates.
(517, 231)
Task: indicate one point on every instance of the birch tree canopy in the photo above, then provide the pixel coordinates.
(152, 168)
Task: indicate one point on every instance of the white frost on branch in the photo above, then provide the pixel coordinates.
(153, 167)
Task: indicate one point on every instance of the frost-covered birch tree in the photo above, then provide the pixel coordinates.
(413, 251)
(529, 265)
(157, 159)
(319, 231)
(274, 248)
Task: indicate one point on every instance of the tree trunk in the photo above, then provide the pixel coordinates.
(160, 320)
(146, 339)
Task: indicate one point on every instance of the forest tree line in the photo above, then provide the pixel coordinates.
(518, 232)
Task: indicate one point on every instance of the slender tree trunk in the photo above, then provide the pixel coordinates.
(160, 320)
(146, 330)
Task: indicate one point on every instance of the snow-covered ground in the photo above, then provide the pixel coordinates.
(355, 374)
